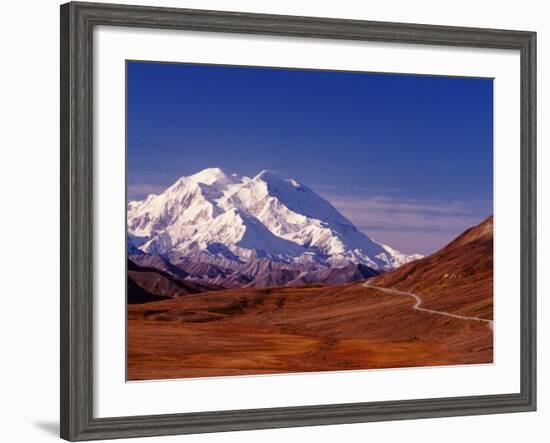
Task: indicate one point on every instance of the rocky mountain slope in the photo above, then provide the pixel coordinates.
(146, 284)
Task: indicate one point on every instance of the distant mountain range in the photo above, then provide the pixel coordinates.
(230, 231)
(153, 278)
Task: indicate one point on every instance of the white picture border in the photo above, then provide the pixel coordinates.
(113, 396)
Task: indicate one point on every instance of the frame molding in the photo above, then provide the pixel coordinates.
(77, 23)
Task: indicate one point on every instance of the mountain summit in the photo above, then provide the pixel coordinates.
(212, 214)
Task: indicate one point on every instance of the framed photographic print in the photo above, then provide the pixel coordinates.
(273, 221)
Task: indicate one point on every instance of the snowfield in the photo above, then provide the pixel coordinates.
(235, 218)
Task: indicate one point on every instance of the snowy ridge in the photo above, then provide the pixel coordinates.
(241, 219)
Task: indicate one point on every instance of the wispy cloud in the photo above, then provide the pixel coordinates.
(412, 225)
(331, 189)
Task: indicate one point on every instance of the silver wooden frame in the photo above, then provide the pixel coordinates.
(77, 23)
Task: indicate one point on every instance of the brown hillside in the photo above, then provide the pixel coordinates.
(458, 278)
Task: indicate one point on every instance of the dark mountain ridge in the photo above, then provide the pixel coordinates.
(161, 278)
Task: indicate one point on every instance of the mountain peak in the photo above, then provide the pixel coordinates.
(209, 176)
(278, 217)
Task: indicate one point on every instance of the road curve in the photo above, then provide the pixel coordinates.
(431, 311)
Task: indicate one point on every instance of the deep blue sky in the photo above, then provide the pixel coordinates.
(407, 140)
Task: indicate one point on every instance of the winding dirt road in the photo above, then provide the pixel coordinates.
(431, 311)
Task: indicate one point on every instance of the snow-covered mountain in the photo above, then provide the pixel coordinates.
(227, 217)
